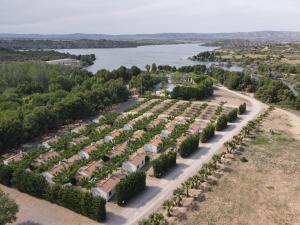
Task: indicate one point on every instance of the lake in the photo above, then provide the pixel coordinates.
(112, 58)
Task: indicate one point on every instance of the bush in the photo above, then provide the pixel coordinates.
(30, 183)
(93, 207)
(221, 123)
(242, 108)
(70, 197)
(189, 145)
(130, 186)
(232, 115)
(6, 174)
(163, 163)
(207, 133)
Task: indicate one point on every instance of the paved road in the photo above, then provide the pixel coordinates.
(158, 190)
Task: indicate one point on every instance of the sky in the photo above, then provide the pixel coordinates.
(147, 16)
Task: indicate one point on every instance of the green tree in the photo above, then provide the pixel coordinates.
(8, 209)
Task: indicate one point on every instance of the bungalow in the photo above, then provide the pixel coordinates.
(78, 129)
(15, 158)
(88, 170)
(44, 157)
(106, 188)
(153, 124)
(85, 153)
(127, 127)
(110, 137)
(135, 162)
(48, 175)
(78, 140)
(102, 127)
(73, 159)
(137, 135)
(117, 150)
(165, 133)
(153, 145)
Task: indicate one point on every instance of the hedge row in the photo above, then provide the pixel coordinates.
(163, 163)
(207, 133)
(189, 145)
(130, 186)
(69, 197)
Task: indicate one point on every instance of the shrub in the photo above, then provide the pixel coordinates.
(163, 163)
(130, 186)
(30, 183)
(232, 115)
(221, 123)
(189, 145)
(70, 197)
(207, 133)
(93, 207)
(6, 174)
(242, 108)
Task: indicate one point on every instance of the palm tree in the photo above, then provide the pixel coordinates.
(186, 187)
(168, 205)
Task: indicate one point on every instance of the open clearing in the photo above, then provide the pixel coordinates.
(264, 190)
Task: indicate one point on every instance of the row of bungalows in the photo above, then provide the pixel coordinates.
(170, 126)
(135, 161)
(191, 111)
(79, 128)
(87, 150)
(59, 167)
(196, 127)
(154, 123)
(43, 158)
(117, 150)
(78, 140)
(15, 158)
(173, 109)
(137, 135)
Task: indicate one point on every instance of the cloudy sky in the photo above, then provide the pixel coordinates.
(147, 16)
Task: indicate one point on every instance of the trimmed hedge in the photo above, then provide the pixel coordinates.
(207, 133)
(242, 108)
(189, 145)
(69, 197)
(131, 185)
(163, 163)
(232, 115)
(221, 123)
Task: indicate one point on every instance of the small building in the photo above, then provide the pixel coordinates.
(117, 150)
(153, 124)
(137, 135)
(135, 162)
(106, 188)
(43, 158)
(78, 140)
(88, 170)
(48, 175)
(85, 153)
(153, 145)
(102, 127)
(110, 137)
(14, 158)
(78, 129)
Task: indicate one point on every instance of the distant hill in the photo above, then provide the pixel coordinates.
(258, 35)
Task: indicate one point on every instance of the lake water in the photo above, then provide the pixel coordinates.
(173, 55)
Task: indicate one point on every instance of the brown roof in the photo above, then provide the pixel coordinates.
(88, 149)
(136, 135)
(154, 123)
(156, 140)
(89, 169)
(137, 158)
(77, 140)
(111, 182)
(102, 127)
(115, 133)
(48, 155)
(118, 149)
(16, 157)
(58, 168)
